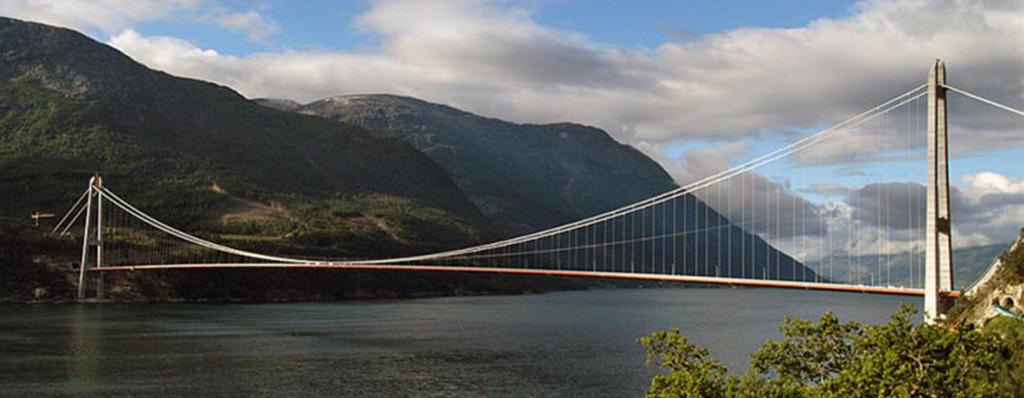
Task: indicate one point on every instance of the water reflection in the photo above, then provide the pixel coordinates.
(84, 343)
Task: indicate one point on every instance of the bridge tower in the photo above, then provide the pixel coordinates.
(92, 238)
(938, 235)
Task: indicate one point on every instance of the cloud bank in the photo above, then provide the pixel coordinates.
(116, 16)
(722, 87)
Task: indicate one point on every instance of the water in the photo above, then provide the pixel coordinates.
(559, 344)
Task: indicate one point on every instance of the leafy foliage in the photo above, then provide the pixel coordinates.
(809, 354)
(849, 359)
(692, 372)
(1012, 331)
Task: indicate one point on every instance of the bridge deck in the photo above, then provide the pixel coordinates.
(715, 280)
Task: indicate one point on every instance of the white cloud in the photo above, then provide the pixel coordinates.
(256, 26)
(987, 208)
(166, 50)
(106, 15)
(976, 186)
(996, 204)
(881, 218)
(696, 164)
(493, 58)
(114, 16)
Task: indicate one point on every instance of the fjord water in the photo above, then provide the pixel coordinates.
(559, 344)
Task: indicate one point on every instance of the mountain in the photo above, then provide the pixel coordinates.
(968, 265)
(525, 176)
(202, 157)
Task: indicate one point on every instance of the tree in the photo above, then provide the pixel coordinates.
(692, 372)
(837, 359)
(808, 355)
(900, 359)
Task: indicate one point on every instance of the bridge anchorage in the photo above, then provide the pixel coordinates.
(744, 226)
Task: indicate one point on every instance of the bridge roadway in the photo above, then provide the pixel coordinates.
(714, 280)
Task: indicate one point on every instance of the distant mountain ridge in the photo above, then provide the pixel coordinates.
(526, 176)
(969, 263)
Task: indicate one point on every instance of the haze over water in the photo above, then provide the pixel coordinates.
(558, 344)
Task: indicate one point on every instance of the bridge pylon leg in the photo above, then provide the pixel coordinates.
(99, 239)
(92, 237)
(938, 234)
(82, 280)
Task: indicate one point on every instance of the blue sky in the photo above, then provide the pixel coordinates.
(658, 21)
(311, 24)
(326, 24)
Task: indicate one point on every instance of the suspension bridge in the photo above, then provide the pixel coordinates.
(744, 226)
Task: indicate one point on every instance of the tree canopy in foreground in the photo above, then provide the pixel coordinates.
(850, 359)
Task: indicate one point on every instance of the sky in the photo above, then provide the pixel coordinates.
(697, 85)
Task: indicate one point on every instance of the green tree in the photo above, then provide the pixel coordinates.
(900, 359)
(848, 359)
(808, 355)
(1012, 332)
(691, 372)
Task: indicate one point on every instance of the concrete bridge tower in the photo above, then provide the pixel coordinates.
(938, 235)
(92, 237)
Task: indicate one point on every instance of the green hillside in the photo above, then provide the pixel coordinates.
(202, 157)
